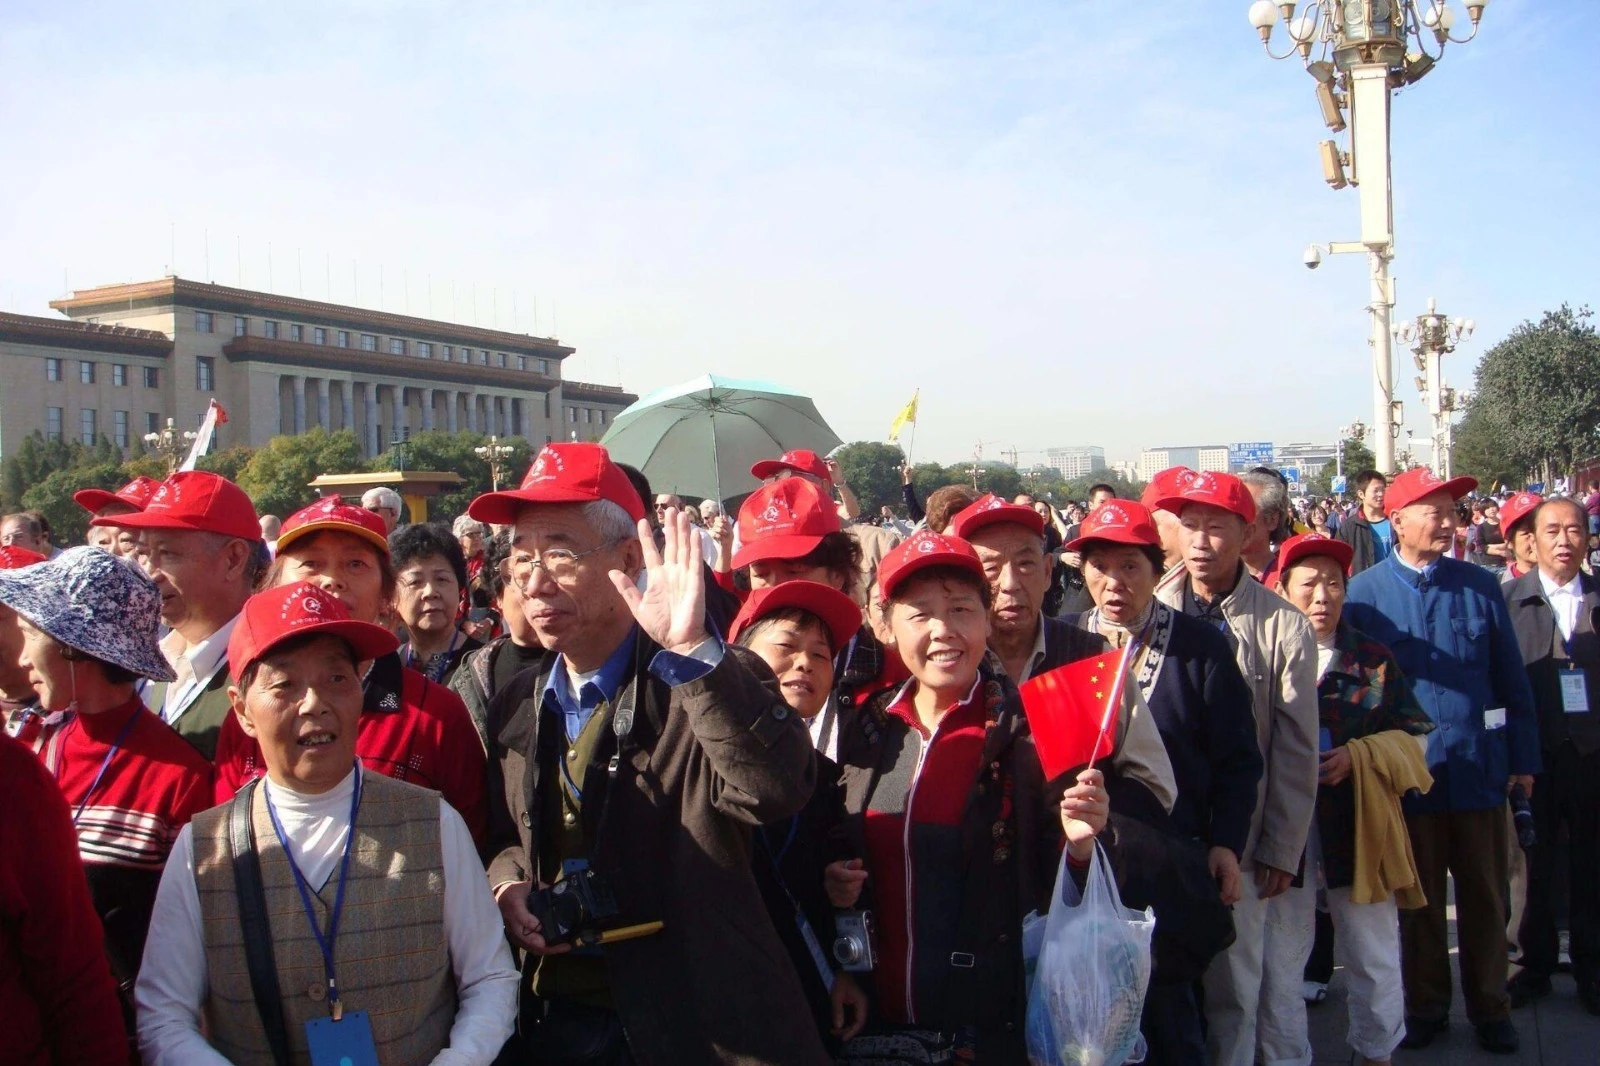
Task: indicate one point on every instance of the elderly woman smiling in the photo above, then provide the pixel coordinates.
(384, 945)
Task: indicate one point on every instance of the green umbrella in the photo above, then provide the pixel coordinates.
(701, 437)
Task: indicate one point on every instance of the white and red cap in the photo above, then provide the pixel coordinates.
(989, 510)
(195, 500)
(800, 460)
(784, 520)
(1306, 544)
(1412, 485)
(332, 514)
(1120, 522)
(1168, 482)
(840, 615)
(1518, 507)
(1212, 488)
(134, 494)
(575, 472)
(15, 558)
(921, 550)
(287, 611)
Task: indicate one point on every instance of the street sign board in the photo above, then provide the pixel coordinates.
(1292, 475)
(1340, 484)
(1251, 453)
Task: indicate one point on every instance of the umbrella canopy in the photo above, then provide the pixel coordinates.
(700, 438)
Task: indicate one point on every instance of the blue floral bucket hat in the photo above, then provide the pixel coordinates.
(88, 599)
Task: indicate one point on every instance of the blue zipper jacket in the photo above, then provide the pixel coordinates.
(1451, 633)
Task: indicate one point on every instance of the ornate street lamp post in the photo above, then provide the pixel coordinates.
(170, 444)
(1432, 337)
(495, 454)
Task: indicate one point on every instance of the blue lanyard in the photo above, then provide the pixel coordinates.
(105, 764)
(777, 856)
(325, 941)
(430, 672)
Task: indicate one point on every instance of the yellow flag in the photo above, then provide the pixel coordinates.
(907, 416)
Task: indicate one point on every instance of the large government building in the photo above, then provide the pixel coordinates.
(128, 357)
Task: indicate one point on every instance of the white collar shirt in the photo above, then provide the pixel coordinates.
(1565, 601)
(201, 661)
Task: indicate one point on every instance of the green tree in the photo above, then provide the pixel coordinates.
(1478, 452)
(1357, 457)
(230, 462)
(278, 475)
(872, 470)
(1538, 394)
(52, 497)
(453, 452)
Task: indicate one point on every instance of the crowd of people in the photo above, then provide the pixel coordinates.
(589, 775)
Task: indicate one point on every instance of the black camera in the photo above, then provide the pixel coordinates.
(853, 941)
(574, 909)
(1522, 817)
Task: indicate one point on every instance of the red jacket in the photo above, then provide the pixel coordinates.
(411, 729)
(57, 997)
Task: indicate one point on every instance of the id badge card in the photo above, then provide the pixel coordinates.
(346, 1042)
(819, 958)
(1494, 718)
(1574, 692)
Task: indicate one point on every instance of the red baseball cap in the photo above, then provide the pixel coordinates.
(1218, 490)
(989, 510)
(1409, 486)
(14, 558)
(841, 616)
(575, 472)
(1296, 548)
(195, 500)
(135, 494)
(921, 550)
(1518, 507)
(1120, 522)
(1168, 482)
(278, 614)
(332, 513)
(803, 460)
(784, 520)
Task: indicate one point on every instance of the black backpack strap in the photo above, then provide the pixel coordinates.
(253, 924)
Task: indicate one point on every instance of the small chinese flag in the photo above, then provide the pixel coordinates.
(1072, 709)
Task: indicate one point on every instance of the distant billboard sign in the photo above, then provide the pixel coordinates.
(1340, 484)
(1253, 453)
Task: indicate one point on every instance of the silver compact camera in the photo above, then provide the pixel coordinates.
(854, 934)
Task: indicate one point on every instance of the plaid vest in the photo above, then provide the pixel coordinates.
(393, 959)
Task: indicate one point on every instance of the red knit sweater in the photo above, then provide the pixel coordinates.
(57, 998)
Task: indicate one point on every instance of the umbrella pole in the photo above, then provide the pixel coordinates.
(913, 445)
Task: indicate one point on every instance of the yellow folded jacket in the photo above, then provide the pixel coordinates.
(1384, 767)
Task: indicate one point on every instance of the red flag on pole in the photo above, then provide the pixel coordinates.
(1073, 709)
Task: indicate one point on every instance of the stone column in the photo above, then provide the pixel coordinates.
(452, 416)
(524, 425)
(299, 384)
(472, 411)
(397, 401)
(347, 400)
(370, 391)
(322, 403)
(491, 405)
(428, 396)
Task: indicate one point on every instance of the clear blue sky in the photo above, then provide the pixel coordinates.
(1068, 223)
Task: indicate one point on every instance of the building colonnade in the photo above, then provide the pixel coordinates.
(382, 411)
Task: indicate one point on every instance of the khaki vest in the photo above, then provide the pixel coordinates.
(392, 956)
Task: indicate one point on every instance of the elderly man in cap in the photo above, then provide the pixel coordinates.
(129, 499)
(1555, 612)
(1447, 624)
(635, 759)
(1168, 482)
(201, 545)
(1277, 654)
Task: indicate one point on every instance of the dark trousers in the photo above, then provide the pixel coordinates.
(1171, 1026)
(1568, 792)
(1319, 967)
(562, 1033)
(1469, 846)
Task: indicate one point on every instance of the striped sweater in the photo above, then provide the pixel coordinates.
(152, 786)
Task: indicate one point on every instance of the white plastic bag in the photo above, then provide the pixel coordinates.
(1088, 990)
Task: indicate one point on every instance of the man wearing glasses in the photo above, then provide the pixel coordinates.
(636, 755)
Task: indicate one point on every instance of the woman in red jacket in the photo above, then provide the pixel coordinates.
(410, 728)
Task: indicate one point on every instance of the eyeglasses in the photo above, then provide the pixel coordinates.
(559, 563)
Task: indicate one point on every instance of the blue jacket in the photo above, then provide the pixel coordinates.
(1451, 633)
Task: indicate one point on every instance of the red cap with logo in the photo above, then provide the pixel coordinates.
(784, 520)
(803, 460)
(135, 494)
(1120, 522)
(576, 472)
(196, 500)
(14, 558)
(1409, 486)
(1168, 482)
(331, 513)
(989, 510)
(1518, 507)
(269, 618)
(840, 615)
(1296, 548)
(1217, 490)
(923, 549)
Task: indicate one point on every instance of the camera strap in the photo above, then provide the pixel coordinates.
(622, 715)
(808, 934)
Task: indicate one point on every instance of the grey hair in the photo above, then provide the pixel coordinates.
(465, 524)
(1270, 495)
(609, 521)
(30, 524)
(382, 497)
